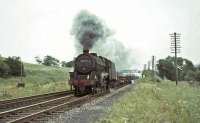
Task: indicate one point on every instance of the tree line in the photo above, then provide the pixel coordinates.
(187, 71)
(52, 61)
(13, 66)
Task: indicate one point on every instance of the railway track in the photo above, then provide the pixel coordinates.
(37, 112)
(33, 113)
(24, 101)
(39, 108)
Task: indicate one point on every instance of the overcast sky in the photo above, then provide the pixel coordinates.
(30, 28)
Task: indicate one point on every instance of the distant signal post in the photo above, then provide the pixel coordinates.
(175, 49)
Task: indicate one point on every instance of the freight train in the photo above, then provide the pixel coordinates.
(93, 74)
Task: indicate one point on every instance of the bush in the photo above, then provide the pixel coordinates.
(197, 77)
(149, 75)
(190, 76)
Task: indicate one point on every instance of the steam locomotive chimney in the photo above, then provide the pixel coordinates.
(85, 51)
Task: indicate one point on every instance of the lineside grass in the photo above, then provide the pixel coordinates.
(157, 102)
(39, 79)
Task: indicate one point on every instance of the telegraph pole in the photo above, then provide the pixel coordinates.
(153, 64)
(149, 65)
(21, 70)
(175, 48)
(145, 67)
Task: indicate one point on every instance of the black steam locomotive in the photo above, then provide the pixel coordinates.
(92, 74)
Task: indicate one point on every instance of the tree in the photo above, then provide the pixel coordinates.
(67, 64)
(38, 60)
(4, 68)
(50, 61)
(166, 69)
(16, 66)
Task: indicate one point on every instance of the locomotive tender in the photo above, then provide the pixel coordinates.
(92, 74)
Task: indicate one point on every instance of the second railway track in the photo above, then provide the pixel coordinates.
(24, 101)
(33, 112)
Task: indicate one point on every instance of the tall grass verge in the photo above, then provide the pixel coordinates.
(153, 102)
(39, 79)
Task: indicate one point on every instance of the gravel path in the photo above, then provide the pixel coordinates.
(90, 112)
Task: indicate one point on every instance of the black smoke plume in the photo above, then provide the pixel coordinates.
(88, 29)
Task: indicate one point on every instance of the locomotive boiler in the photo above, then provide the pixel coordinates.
(92, 73)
